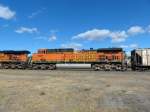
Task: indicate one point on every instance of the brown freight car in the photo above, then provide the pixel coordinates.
(100, 59)
(13, 59)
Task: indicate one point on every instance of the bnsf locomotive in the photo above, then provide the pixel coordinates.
(14, 59)
(100, 59)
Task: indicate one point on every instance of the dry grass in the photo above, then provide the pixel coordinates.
(74, 91)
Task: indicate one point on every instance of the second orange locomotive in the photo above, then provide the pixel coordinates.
(100, 59)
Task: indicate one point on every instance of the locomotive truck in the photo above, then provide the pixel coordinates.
(100, 59)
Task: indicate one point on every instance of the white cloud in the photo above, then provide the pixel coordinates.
(118, 36)
(97, 34)
(26, 30)
(115, 36)
(93, 34)
(6, 13)
(72, 45)
(134, 30)
(52, 38)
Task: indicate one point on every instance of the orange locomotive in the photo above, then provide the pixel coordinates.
(100, 59)
(13, 59)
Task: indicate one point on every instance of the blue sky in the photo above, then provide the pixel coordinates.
(33, 24)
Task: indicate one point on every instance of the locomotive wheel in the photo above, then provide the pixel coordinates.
(97, 68)
(118, 68)
(107, 67)
(52, 67)
(6, 66)
(13, 66)
(35, 67)
(43, 67)
(124, 69)
(1, 66)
